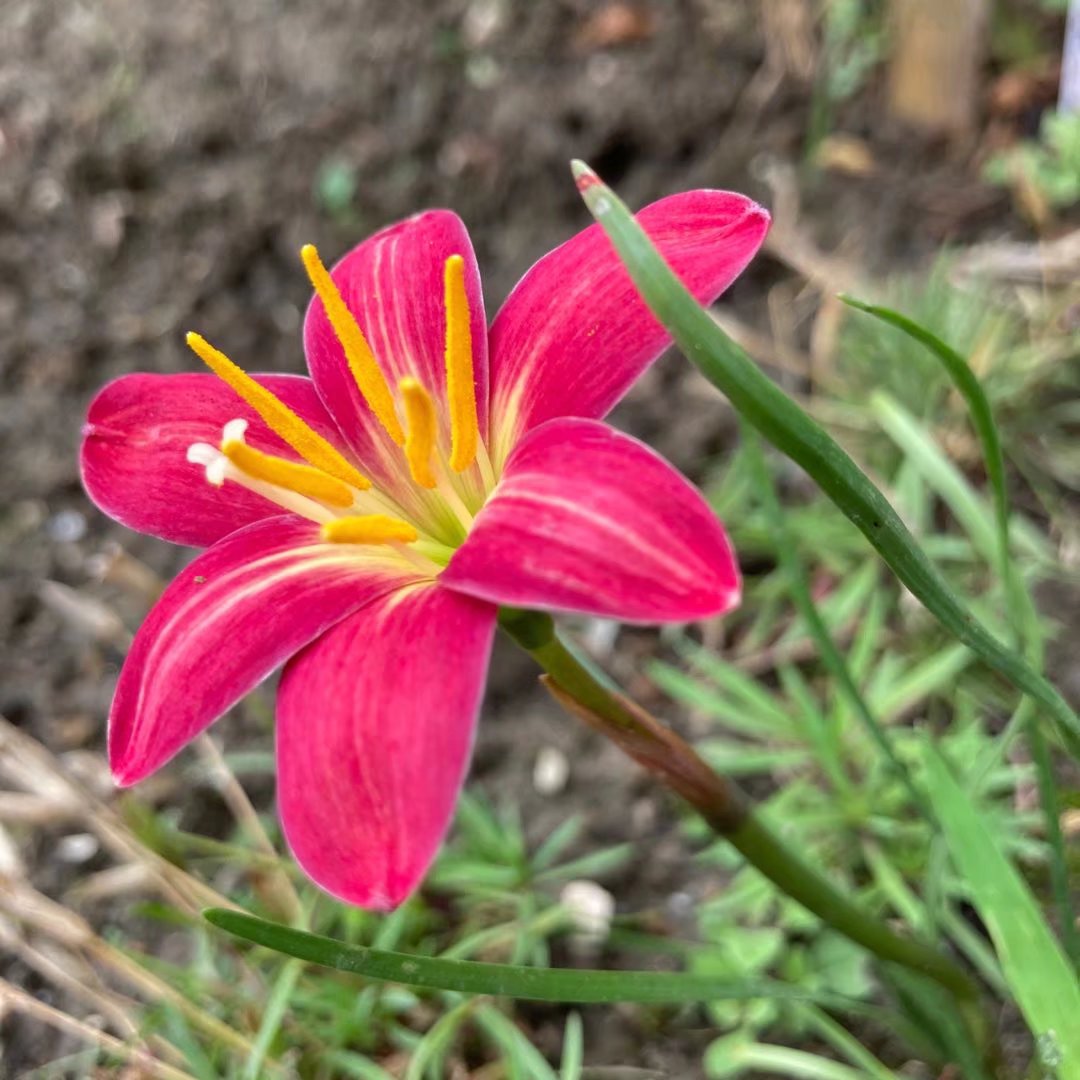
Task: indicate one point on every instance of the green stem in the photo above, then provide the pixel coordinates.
(720, 802)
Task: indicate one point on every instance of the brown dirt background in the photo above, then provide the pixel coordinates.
(158, 172)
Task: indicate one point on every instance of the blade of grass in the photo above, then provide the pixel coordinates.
(506, 980)
(506, 1034)
(276, 1005)
(941, 1019)
(432, 1048)
(767, 1059)
(1020, 601)
(845, 1043)
(799, 587)
(762, 403)
(971, 511)
(355, 1065)
(1050, 803)
(1042, 980)
(573, 1049)
(970, 389)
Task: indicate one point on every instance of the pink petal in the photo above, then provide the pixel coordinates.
(375, 725)
(586, 519)
(229, 619)
(393, 284)
(573, 336)
(134, 452)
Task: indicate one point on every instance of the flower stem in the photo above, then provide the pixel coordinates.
(726, 808)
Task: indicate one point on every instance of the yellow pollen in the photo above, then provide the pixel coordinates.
(303, 479)
(277, 416)
(369, 529)
(460, 384)
(420, 421)
(362, 363)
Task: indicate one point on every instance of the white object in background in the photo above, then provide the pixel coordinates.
(551, 771)
(1069, 93)
(591, 908)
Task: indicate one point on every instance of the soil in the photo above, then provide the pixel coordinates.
(160, 166)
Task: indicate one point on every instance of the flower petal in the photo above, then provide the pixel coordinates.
(375, 725)
(393, 285)
(574, 335)
(134, 452)
(226, 622)
(587, 519)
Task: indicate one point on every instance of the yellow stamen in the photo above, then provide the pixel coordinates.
(303, 479)
(369, 529)
(277, 416)
(420, 421)
(460, 385)
(362, 363)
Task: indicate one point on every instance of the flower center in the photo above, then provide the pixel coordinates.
(435, 511)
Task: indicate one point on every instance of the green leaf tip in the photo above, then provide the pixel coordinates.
(597, 195)
(580, 169)
(855, 302)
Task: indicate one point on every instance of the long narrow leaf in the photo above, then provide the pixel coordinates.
(1040, 976)
(787, 426)
(1020, 602)
(508, 980)
(969, 387)
(573, 1049)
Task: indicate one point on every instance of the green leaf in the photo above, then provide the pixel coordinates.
(573, 1049)
(504, 980)
(1041, 978)
(1022, 609)
(969, 387)
(512, 1040)
(763, 404)
(427, 1058)
(981, 522)
(736, 1054)
(276, 1006)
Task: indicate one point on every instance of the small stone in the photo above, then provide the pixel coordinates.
(77, 848)
(600, 635)
(551, 771)
(67, 527)
(591, 908)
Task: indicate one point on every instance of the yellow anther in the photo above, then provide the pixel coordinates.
(420, 437)
(303, 479)
(369, 529)
(362, 363)
(277, 416)
(460, 384)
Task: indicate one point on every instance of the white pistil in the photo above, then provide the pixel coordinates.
(219, 469)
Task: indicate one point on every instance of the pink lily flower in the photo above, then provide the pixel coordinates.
(363, 525)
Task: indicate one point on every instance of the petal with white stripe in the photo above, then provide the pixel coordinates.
(226, 622)
(587, 519)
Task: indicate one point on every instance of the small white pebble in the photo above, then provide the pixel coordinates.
(551, 771)
(599, 636)
(591, 908)
(68, 526)
(681, 905)
(77, 848)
